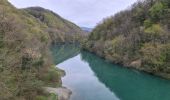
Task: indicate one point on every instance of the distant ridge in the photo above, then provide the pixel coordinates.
(87, 29)
(60, 29)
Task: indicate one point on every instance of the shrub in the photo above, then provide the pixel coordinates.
(157, 11)
(147, 23)
(52, 77)
(153, 55)
(154, 33)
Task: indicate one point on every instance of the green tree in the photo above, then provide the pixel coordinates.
(157, 11)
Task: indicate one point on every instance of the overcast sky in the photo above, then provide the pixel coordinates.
(85, 13)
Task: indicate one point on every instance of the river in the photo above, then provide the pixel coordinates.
(93, 78)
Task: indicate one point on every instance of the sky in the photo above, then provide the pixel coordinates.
(84, 13)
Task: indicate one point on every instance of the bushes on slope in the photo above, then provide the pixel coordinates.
(137, 34)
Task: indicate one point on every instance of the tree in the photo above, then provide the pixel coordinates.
(156, 11)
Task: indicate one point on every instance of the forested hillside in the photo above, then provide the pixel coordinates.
(25, 62)
(138, 37)
(60, 30)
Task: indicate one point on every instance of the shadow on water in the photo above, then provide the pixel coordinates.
(63, 52)
(127, 84)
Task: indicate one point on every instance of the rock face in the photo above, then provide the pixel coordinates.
(136, 64)
(62, 92)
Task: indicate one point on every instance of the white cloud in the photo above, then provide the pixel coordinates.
(82, 12)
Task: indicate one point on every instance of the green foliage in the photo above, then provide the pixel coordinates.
(41, 98)
(155, 30)
(25, 63)
(137, 34)
(60, 29)
(157, 10)
(156, 56)
(139, 15)
(49, 97)
(53, 97)
(147, 23)
(166, 51)
(153, 54)
(52, 77)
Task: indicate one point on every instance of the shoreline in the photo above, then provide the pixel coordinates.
(62, 93)
(148, 71)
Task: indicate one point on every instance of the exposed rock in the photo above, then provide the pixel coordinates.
(62, 92)
(136, 64)
(61, 72)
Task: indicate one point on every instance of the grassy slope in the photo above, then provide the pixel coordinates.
(25, 62)
(138, 37)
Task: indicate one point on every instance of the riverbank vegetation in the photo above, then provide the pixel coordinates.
(25, 61)
(138, 37)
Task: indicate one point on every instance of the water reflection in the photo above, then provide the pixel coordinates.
(93, 78)
(128, 84)
(63, 52)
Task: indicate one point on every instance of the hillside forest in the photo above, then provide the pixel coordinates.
(26, 65)
(138, 37)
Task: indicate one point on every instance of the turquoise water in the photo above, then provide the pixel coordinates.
(92, 78)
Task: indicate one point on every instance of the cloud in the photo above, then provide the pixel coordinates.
(82, 12)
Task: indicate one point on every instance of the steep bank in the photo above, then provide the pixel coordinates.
(138, 37)
(25, 61)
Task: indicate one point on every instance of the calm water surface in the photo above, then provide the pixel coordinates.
(92, 78)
